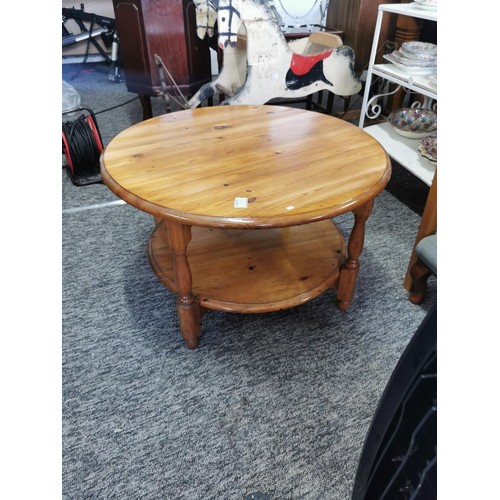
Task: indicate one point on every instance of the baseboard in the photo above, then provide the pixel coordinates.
(91, 58)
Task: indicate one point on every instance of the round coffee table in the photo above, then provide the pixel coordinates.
(243, 199)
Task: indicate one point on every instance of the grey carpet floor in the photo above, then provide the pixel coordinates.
(278, 403)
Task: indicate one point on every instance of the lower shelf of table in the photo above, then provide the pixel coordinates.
(255, 270)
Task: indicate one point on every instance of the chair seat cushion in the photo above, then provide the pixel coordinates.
(426, 250)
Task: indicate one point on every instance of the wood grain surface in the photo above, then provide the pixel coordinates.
(292, 166)
(255, 271)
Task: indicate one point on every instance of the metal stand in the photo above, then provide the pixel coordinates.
(106, 29)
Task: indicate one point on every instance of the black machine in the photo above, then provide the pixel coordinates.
(102, 26)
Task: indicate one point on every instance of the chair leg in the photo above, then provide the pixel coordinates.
(419, 273)
(347, 102)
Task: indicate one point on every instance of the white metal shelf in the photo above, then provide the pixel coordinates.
(403, 150)
(417, 83)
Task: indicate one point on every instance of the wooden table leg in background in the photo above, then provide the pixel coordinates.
(428, 225)
(350, 268)
(188, 307)
(147, 108)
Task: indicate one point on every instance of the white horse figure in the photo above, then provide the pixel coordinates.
(276, 68)
(234, 64)
(260, 65)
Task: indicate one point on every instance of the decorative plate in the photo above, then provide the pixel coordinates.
(414, 62)
(424, 7)
(420, 48)
(428, 148)
(411, 70)
(418, 56)
(433, 81)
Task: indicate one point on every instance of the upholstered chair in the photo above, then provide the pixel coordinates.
(424, 267)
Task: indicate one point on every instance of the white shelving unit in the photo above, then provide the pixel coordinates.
(404, 151)
(401, 149)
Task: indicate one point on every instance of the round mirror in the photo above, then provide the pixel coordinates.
(297, 8)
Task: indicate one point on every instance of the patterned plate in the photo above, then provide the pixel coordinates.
(433, 80)
(419, 56)
(426, 4)
(412, 70)
(420, 48)
(424, 7)
(428, 146)
(414, 62)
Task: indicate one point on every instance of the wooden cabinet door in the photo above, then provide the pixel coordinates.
(166, 28)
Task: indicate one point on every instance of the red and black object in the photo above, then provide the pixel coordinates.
(82, 146)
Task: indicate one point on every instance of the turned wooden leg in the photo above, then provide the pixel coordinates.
(188, 307)
(428, 225)
(350, 267)
(419, 273)
(147, 109)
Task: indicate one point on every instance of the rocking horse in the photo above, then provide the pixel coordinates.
(234, 64)
(260, 65)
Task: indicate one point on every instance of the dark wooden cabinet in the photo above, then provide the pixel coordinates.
(356, 18)
(166, 28)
